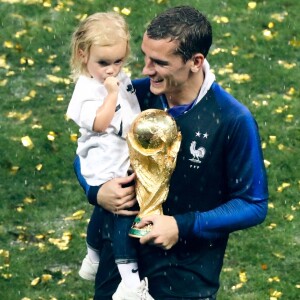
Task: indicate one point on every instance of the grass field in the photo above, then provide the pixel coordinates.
(43, 215)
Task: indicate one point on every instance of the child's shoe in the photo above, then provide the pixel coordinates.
(88, 269)
(141, 293)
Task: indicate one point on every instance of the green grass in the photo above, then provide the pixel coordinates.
(38, 189)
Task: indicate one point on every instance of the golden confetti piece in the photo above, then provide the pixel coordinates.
(297, 286)
(289, 217)
(243, 277)
(271, 205)
(20, 33)
(291, 91)
(40, 50)
(219, 50)
(276, 294)
(289, 118)
(278, 255)
(76, 216)
(56, 79)
(252, 5)
(279, 16)
(61, 281)
(60, 98)
(286, 65)
(267, 163)
(268, 35)
(46, 277)
(3, 63)
(263, 145)
(281, 147)
(272, 226)
(28, 200)
(47, 3)
(26, 141)
(240, 78)
(74, 137)
(228, 269)
(221, 19)
(48, 28)
(3, 82)
(6, 275)
(271, 25)
(126, 11)
(35, 281)
(51, 136)
(8, 44)
(19, 209)
(40, 236)
(25, 298)
(237, 286)
(47, 187)
(294, 43)
(275, 278)
(56, 69)
(39, 167)
(283, 186)
(14, 169)
(272, 139)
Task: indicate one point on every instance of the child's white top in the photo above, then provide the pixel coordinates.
(104, 155)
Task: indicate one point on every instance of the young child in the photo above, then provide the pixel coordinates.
(104, 105)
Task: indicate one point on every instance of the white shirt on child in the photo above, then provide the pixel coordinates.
(103, 156)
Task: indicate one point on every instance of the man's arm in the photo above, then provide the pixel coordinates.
(111, 195)
(234, 215)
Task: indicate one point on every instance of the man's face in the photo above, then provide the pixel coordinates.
(105, 61)
(168, 73)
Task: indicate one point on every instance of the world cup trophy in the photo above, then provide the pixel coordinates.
(153, 142)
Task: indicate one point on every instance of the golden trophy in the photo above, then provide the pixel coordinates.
(154, 142)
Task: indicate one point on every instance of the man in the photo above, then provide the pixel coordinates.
(219, 184)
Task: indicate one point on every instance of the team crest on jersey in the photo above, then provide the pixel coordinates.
(197, 153)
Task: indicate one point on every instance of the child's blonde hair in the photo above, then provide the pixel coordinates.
(104, 29)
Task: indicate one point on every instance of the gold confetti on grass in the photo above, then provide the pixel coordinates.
(221, 19)
(63, 242)
(272, 226)
(252, 5)
(76, 215)
(19, 116)
(73, 137)
(283, 186)
(27, 142)
(240, 78)
(267, 163)
(51, 136)
(57, 79)
(274, 295)
(286, 64)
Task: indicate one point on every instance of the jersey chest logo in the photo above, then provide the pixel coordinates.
(197, 153)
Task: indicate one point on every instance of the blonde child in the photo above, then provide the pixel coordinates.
(103, 105)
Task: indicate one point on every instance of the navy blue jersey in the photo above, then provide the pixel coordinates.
(218, 186)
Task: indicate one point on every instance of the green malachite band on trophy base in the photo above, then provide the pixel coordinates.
(139, 232)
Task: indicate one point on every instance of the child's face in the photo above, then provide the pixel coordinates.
(105, 61)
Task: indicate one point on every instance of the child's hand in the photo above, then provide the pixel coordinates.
(111, 84)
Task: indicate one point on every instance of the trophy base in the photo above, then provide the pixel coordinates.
(139, 232)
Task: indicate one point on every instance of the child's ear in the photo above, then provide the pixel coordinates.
(82, 55)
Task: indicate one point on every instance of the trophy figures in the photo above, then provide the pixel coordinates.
(154, 142)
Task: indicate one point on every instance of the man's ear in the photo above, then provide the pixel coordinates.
(197, 62)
